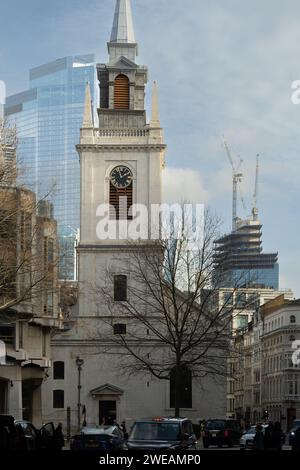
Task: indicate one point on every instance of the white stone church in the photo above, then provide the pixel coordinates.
(124, 156)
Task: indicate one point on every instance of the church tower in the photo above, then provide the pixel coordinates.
(122, 159)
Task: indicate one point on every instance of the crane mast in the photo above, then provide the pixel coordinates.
(255, 195)
(236, 179)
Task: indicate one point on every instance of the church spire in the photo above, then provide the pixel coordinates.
(88, 110)
(122, 30)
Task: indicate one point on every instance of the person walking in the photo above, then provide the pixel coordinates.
(277, 437)
(268, 444)
(59, 437)
(124, 430)
(258, 441)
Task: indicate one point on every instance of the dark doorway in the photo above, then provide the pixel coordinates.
(27, 393)
(185, 388)
(28, 388)
(107, 411)
(3, 394)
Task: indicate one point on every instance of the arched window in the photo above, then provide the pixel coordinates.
(121, 193)
(184, 388)
(121, 92)
(58, 370)
(292, 319)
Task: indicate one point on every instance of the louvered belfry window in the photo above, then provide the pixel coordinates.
(121, 205)
(121, 96)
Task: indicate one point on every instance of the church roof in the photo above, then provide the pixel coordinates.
(122, 30)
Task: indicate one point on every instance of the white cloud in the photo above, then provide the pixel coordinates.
(183, 185)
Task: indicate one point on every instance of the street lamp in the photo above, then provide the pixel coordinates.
(79, 364)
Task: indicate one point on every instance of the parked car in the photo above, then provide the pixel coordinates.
(246, 441)
(22, 435)
(221, 432)
(162, 434)
(292, 434)
(103, 438)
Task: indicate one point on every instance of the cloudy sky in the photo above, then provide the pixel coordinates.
(224, 67)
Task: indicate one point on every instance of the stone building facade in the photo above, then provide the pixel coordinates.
(28, 295)
(267, 371)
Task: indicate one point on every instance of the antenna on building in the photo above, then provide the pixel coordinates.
(255, 195)
(236, 178)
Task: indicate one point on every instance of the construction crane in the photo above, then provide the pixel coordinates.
(237, 177)
(255, 195)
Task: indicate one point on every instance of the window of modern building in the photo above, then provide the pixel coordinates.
(292, 319)
(58, 399)
(292, 338)
(121, 92)
(58, 370)
(120, 329)
(44, 342)
(241, 321)
(184, 388)
(21, 332)
(228, 299)
(7, 334)
(240, 300)
(120, 288)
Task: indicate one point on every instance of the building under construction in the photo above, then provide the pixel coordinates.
(240, 260)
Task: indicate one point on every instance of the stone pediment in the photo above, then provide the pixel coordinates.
(122, 63)
(106, 389)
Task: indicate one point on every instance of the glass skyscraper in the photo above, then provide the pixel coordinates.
(48, 117)
(240, 261)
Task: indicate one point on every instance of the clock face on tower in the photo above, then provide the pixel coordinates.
(121, 177)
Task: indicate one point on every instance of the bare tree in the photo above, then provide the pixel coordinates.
(28, 239)
(176, 326)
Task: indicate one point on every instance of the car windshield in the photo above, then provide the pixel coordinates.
(155, 431)
(215, 424)
(252, 430)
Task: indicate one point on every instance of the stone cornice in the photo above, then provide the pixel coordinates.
(102, 148)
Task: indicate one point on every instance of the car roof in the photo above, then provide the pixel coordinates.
(221, 419)
(22, 421)
(98, 430)
(296, 426)
(161, 420)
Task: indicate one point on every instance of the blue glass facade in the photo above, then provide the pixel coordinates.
(265, 277)
(48, 117)
(240, 260)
